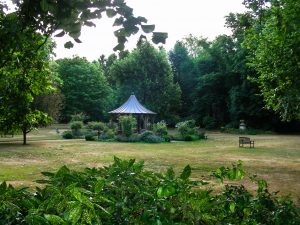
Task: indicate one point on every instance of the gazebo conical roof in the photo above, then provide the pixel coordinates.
(132, 106)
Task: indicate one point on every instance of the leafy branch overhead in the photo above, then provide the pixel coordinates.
(68, 17)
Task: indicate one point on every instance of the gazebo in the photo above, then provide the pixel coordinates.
(134, 108)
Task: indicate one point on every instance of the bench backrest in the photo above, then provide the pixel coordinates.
(244, 140)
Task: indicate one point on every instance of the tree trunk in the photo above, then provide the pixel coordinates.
(24, 137)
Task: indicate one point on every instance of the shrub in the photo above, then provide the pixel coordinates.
(132, 138)
(110, 133)
(128, 124)
(160, 128)
(125, 193)
(167, 138)
(187, 127)
(76, 127)
(97, 126)
(150, 137)
(188, 138)
(67, 135)
(89, 137)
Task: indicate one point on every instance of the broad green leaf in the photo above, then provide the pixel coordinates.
(89, 24)
(75, 35)
(186, 173)
(148, 28)
(165, 191)
(74, 214)
(232, 206)
(118, 21)
(61, 34)
(159, 37)
(55, 220)
(110, 13)
(77, 40)
(69, 44)
(119, 47)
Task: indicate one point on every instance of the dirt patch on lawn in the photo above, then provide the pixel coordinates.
(8, 161)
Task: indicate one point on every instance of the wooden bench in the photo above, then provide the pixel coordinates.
(246, 140)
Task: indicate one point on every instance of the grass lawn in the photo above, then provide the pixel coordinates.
(275, 157)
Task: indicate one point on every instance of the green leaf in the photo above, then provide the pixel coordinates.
(75, 35)
(148, 28)
(186, 173)
(159, 37)
(89, 24)
(232, 206)
(77, 40)
(61, 34)
(74, 214)
(110, 13)
(166, 191)
(119, 21)
(48, 174)
(54, 219)
(69, 44)
(119, 47)
(142, 19)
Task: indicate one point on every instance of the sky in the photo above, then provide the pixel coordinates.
(178, 18)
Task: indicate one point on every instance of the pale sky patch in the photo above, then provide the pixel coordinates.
(178, 18)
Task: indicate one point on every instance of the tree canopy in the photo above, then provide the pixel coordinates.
(273, 41)
(85, 89)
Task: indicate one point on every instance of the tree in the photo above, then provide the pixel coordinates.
(23, 77)
(85, 89)
(147, 72)
(273, 41)
(184, 74)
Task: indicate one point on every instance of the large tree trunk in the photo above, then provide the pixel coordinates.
(24, 137)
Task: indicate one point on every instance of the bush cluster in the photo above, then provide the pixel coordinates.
(128, 124)
(188, 131)
(124, 193)
(150, 137)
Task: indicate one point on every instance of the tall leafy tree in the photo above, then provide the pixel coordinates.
(183, 67)
(85, 88)
(23, 77)
(273, 41)
(147, 73)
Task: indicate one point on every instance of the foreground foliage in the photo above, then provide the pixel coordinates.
(125, 193)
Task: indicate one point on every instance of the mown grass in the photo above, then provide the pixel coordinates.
(275, 157)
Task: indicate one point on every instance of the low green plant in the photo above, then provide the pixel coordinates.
(90, 137)
(160, 128)
(132, 138)
(188, 131)
(97, 126)
(67, 135)
(187, 127)
(76, 127)
(128, 124)
(188, 138)
(150, 137)
(125, 193)
(110, 133)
